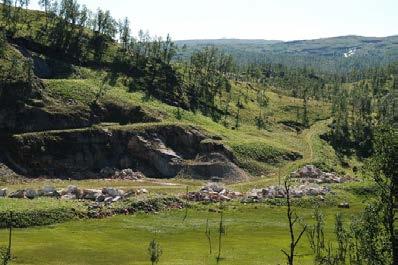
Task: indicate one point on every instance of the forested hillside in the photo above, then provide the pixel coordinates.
(332, 55)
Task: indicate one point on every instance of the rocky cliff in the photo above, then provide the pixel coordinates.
(157, 150)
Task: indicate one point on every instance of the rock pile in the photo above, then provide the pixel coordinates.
(127, 174)
(295, 192)
(31, 193)
(213, 193)
(107, 195)
(312, 174)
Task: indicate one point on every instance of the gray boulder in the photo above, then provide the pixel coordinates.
(91, 194)
(112, 192)
(49, 192)
(30, 194)
(69, 197)
(3, 192)
(19, 194)
(100, 198)
(117, 198)
(72, 190)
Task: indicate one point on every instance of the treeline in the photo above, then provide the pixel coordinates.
(205, 77)
(324, 56)
(71, 32)
(360, 100)
(359, 108)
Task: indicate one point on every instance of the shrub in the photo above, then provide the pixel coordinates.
(38, 217)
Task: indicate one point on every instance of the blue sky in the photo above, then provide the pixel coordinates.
(255, 19)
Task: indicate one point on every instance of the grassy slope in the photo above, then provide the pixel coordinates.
(259, 151)
(272, 143)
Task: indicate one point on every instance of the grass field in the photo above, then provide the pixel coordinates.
(255, 234)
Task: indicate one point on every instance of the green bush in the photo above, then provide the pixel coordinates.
(38, 217)
(155, 205)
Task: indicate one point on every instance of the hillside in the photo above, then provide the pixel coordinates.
(132, 90)
(211, 155)
(64, 104)
(78, 92)
(330, 54)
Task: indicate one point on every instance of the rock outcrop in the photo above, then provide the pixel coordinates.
(156, 150)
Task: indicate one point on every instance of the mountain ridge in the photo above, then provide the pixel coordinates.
(335, 54)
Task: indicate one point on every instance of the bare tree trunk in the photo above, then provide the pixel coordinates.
(292, 219)
(221, 231)
(186, 201)
(208, 235)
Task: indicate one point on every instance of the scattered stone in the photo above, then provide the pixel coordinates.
(344, 205)
(112, 192)
(105, 195)
(128, 174)
(19, 194)
(117, 198)
(312, 174)
(108, 199)
(130, 193)
(3, 192)
(142, 191)
(213, 192)
(100, 198)
(69, 197)
(308, 171)
(272, 192)
(91, 194)
(73, 190)
(48, 192)
(30, 194)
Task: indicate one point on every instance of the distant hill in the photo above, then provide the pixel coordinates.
(327, 54)
(231, 42)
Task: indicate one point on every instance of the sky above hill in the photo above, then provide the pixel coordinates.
(255, 19)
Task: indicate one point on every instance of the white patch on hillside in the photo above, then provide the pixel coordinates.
(350, 52)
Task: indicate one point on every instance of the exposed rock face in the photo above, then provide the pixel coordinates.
(214, 166)
(155, 150)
